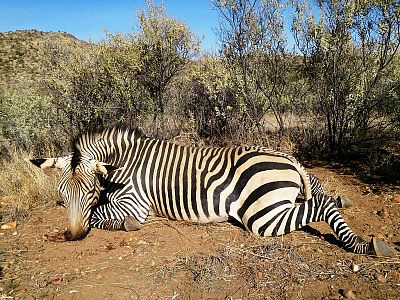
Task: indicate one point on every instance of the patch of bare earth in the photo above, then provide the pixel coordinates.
(176, 260)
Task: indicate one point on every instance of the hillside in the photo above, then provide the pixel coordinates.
(22, 55)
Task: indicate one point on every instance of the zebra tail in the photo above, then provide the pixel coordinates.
(306, 180)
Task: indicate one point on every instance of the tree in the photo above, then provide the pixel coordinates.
(347, 54)
(95, 85)
(165, 46)
(254, 45)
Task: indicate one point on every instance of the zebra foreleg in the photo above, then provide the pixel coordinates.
(128, 224)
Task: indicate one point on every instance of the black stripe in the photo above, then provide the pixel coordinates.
(168, 179)
(157, 172)
(203, 190)
(224, 157)
(262, 190)
(185, 179)
(153, 173)
(264, 211)
(263, 228)
(193, 180)
(299, 216)
(289, 221)
(163, 199)
(278, 225)
(249, 173)
(229, 156)
(177, 196)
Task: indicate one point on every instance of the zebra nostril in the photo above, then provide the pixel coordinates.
(68, 236)
(74, 237)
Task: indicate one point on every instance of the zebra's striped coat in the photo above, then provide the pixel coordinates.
(255, 186)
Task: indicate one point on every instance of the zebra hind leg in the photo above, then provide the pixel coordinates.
(343, 202)
(323, 208)
(316, 188)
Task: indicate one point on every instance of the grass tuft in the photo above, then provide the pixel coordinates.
(24, 187)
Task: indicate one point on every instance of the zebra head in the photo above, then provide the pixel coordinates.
(80, 188)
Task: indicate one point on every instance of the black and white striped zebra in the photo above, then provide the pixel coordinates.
(116, 177)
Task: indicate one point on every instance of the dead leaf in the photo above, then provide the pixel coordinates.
(59, 237)
(57, 280)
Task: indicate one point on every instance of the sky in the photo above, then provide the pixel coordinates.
(87, 19)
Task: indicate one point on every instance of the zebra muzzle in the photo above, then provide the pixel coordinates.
(75, 235)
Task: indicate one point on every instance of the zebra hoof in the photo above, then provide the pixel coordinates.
(344, 202)
(131, 224)
(381, 249)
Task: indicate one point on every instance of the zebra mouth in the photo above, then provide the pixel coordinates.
(75, 237)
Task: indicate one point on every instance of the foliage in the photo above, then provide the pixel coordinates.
(28, 118)
(213, 99)
(165, 46)
(254, 45)
(336, 92)
(348, 62)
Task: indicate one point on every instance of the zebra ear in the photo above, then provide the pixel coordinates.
(103, 168)
(45, 163)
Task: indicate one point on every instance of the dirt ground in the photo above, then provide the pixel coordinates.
(176, 260)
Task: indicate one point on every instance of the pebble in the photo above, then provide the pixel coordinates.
(384, 213)
(396, 198)
(347, 293)
(10, 225)
(15, 233)
(141, 242)
(355, 268)
(380, 277)
(395, 275)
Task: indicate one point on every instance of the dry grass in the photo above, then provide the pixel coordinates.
(23, 187)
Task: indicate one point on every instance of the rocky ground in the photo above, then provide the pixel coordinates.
(176, 260)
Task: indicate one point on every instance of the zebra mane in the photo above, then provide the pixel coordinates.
(86, 140)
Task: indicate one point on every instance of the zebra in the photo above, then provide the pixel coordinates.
(341, 201)
(116, 177)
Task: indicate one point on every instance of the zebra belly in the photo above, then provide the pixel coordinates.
(191, 215)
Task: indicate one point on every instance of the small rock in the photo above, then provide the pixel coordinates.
(390, 235)
(141, 242)
(10, 225)
(396, 198)
(384, 213)
(347, 293)
(380, 278)
(355, 268)
(395, 275)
